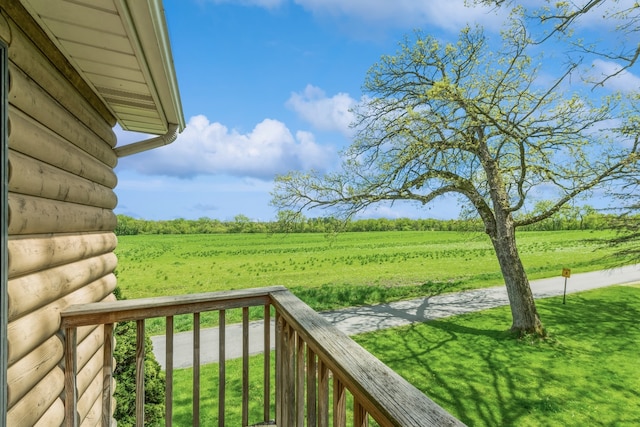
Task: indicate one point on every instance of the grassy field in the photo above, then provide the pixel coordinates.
(585, 374)
(349, 269)
(153, 265)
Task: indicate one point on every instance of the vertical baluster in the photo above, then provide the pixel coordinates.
(311, 388)
(360, 416)
(279, 369)
(245, 366)
(267, 363)
(196, 369)
(70, 367)
(221, 368)
(140, 373)
(300, 377)
(289, 376)
(168, 388)
(339, 403)
(323, 395)
(107, 375)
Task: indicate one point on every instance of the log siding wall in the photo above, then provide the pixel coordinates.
(60, 225)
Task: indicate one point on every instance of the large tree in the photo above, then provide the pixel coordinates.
(592, 30)
(475, 121)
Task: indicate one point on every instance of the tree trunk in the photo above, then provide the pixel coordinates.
(523, 306)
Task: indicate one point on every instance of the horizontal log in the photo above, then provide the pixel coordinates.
(144, 308)
(35, 178)
(86, 350)
(92, 418)
(35, 253)
(28, 371)
(29, 137)
(30, 331)
(33, 215)
(30, 292)
(88, 399)
(384, 394)
(27, 96)
(86, 377)
(31, 60)
(54, 416)
(28, 410)
(93, 367)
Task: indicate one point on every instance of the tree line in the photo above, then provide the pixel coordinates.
(584, 218)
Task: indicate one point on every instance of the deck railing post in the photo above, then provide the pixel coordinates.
(140, 373)
(107, 375)
(312, 416)
(360, 417)
(339, 403)
(267, 363)
(245, 366)
(300, 380)
(168, 398)
(323, 394)
(221, 367)
(70, 367)
(279, 368)
(196, 370)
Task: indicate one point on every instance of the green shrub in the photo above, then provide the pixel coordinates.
(125, 375)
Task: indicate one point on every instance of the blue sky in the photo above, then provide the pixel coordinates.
(266, 87)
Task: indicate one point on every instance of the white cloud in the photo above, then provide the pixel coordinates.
(206, 148)
(446, 14)
(625, 81)
(323, 113)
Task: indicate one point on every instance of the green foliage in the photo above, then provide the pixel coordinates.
(585, 374)
(627, 223)
(584, 218)
(125, 376)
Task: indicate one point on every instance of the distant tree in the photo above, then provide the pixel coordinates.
(470, 120)
(289, 222)
(627, 223)
(240, 224)
(127, 226)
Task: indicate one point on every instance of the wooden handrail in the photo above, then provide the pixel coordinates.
(384, 394)
(100, 313)
(310, 354)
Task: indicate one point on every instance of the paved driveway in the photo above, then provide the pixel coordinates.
(356, 320)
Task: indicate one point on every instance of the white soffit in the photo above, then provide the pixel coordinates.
(121, 48)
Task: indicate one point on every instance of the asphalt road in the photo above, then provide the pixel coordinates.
(358, 320)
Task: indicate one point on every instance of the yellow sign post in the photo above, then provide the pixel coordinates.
(566, 273)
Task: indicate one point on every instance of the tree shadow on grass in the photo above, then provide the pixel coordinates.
(485, 376)
(330, 297)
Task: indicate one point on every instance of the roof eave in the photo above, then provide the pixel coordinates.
(148, 25)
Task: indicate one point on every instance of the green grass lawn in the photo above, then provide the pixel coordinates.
(585, 374)
(346, 270)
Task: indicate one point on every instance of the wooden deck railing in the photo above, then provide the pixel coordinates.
(316, 365)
